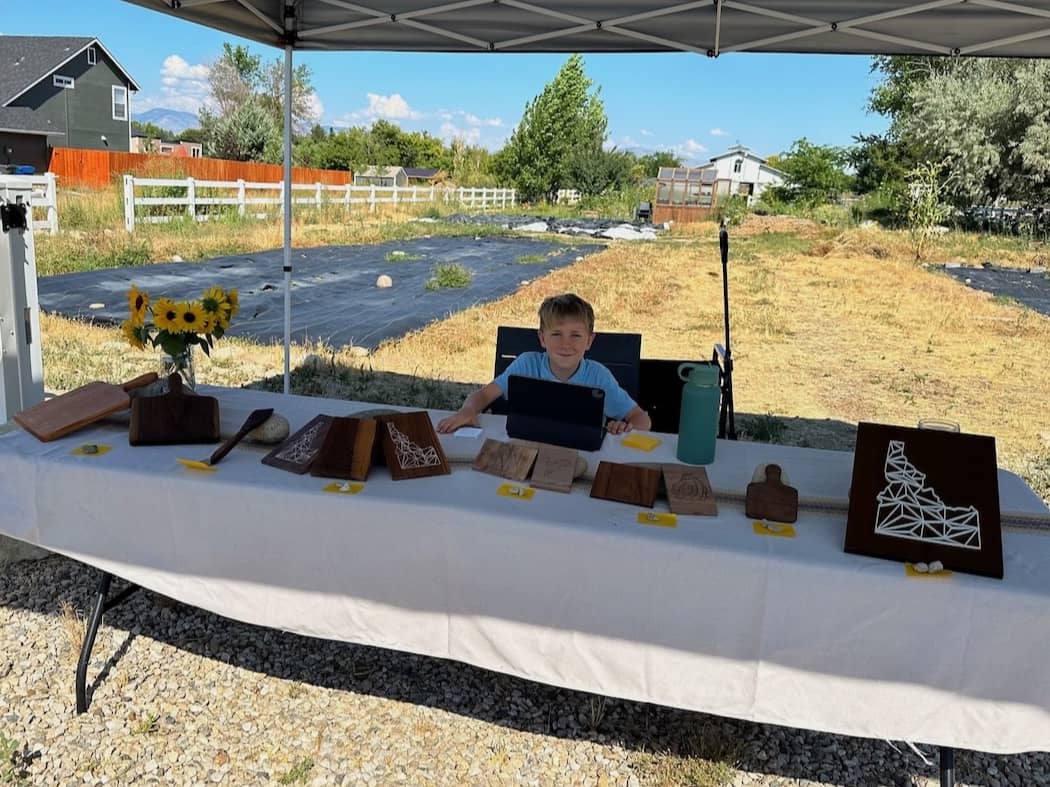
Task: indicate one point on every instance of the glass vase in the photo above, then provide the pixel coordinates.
(181, 364)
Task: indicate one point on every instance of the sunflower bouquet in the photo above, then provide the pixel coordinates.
(176, 326)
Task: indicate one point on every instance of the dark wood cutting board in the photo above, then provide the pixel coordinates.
(174, 418)
(626, 484)
(347, 449)
(76, 409)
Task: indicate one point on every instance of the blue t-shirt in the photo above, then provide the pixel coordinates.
(533, 364)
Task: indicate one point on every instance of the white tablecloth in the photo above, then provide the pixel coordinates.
(565, 589)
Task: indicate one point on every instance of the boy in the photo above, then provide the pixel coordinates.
(566, 333)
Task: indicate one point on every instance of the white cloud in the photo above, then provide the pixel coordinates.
(646, 132)
(316, 110)
(450, 131)
(690, 150)
(717, 132)
(183, 87)
(474, 120)
(392, 107)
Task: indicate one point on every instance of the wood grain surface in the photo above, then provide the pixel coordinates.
(64, 414)
(626, 484)
(506, 460)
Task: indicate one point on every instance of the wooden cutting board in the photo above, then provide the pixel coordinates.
(411, 446)
(299, 450)
(626, 484)
(174, 418)
(506, 460)
(347, 449)
(555, 468)
(76, 409)
(689, 490)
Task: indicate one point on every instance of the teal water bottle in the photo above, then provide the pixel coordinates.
(698, 424)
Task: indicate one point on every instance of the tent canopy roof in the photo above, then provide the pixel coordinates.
(998, 28)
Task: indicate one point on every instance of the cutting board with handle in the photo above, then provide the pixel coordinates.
(81, 407)
(174, 418)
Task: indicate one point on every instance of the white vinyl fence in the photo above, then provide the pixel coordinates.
(43, 200)
(200, 199)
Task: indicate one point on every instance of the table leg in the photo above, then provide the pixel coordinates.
(947, 766)
(102, 605)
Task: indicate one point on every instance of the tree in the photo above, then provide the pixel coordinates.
(596, 172)
(564, 122)
(815, 173)
(151, 131)
(245, 91)
(651, 162)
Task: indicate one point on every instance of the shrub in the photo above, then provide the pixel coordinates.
(448, 276)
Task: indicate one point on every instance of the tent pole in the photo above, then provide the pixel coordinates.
(287, 194)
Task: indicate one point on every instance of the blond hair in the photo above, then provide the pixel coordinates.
(568, 306)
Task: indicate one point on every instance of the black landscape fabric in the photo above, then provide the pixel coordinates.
(334, 294)
(1032, 288)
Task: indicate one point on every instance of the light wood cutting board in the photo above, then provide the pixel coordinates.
(81, 407)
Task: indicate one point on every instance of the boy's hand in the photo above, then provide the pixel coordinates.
(619, 427)
(460, 418)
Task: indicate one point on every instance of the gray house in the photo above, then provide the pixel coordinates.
(74, 89)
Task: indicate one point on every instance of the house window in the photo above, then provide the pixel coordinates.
(120, 103)
(64, 82)
(738, 165)
(92, 59)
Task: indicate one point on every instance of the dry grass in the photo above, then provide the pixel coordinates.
(823, 337)
(73, 627)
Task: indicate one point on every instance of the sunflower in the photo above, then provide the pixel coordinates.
(234, 300)
(214, 299)
(138, 301)
(192, 317)
(133, 333)
(167, 316)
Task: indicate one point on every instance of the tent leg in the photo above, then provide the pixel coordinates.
(287, 219)
(947, 766)
(103, 604)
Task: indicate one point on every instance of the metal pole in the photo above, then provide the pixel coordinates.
(947, 766)
(287, 219)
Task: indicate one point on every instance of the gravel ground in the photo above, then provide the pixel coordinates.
(186, 697)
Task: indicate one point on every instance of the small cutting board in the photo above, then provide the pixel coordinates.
(626, 484)
(174, 418)
(347, 449)
(506, 460)
(81, 407)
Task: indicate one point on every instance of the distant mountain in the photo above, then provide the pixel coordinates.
(169, 119)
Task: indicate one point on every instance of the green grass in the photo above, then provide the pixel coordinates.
(449, 275)
(530, 259)
(763, 428)
(148, 725)
(297, 773)
(14, 761)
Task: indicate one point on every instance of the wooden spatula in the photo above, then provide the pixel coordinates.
(255, 419)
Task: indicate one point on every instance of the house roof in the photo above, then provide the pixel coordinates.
(740, 150)
(380, 172)
(26, 60)
(421, 172)
(22, 120)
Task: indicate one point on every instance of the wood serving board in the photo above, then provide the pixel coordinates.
(555, 468)
(689, 490)
(347, 449)
(174, 418)
(411, 446)
(626, 484)
(506, 460)
(299, 450)
(81, 407)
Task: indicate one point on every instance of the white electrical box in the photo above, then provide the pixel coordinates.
(21, 365)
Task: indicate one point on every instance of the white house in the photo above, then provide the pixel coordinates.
(748, 174)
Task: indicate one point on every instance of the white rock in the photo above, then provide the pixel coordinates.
(273, 430)
(97, 306)
(176, 258)
(358, 352)
(536, 226)
(384, 281)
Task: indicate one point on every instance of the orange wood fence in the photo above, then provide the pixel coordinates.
(99, 168)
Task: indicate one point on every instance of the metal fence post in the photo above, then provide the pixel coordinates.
(129, 203)
(372, 198)
(191, 199)
(395, 194)
(317, 195)
(347, 197)
(52, 203)
(241, 202)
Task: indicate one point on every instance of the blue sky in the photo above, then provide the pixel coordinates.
(686, 103)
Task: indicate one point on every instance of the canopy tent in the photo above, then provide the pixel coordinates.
(706, 27)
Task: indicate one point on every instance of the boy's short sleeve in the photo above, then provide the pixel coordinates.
(617, 401)
(525, 365)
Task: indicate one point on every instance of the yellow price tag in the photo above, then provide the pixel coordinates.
(642, 442)
(911, 571)
(660, 520)
(516, 490)
(775, 529)
(195, 464)
(345, 488)
(91, 449)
